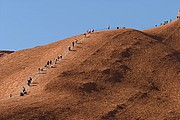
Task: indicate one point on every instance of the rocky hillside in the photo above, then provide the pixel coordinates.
(122, 74)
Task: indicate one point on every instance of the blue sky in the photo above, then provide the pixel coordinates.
(29, 23)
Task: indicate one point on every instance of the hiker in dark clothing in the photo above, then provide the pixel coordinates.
(45, 66)
(109, 27)
(55, 61)
(47, 63)
(21, 94)
(23, 91)
(29, 81)
(72, 44)
(39, 70)
(69, 48)
(92, 30)
(84, 35)
(60, 56)
(50, 62)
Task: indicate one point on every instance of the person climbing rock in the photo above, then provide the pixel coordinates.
(73, 44)
(39, 70)
(45, 66)
(88, 31)
(69, 48)
(23, 91)
(30, 79)
(50, 62)
(60, 56)
(109, 27)
(55, 61)
(21, 94)
(84, 35)
(47, 63)
(29, 83)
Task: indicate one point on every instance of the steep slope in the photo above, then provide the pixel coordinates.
(168, 34)
(116, 74)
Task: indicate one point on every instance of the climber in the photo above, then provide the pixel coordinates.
(60, 57)
(21, 94)
(88, 31)
(29, 82)
(45, 66)
(50, 62)
(24, 90)
(76, 41)
(109, 27)
(47, 63)
(84, 35)
(73, 44)
(69, 48)
(30, 79)
(55, 61)
(39, 70)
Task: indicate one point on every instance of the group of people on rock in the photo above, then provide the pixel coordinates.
(29, 81)
(164, 23)
(49, 64)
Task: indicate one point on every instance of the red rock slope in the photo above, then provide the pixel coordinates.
(122, 74)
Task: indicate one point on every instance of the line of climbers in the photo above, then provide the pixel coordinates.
(49, 64)
(166, 22)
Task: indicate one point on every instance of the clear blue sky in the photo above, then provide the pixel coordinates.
(29, 23)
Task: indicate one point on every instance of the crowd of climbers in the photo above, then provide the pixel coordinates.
(50, 63)
(166, 22)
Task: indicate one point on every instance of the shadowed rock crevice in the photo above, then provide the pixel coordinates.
(89, 87)
(115, 74)
(175, 55)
